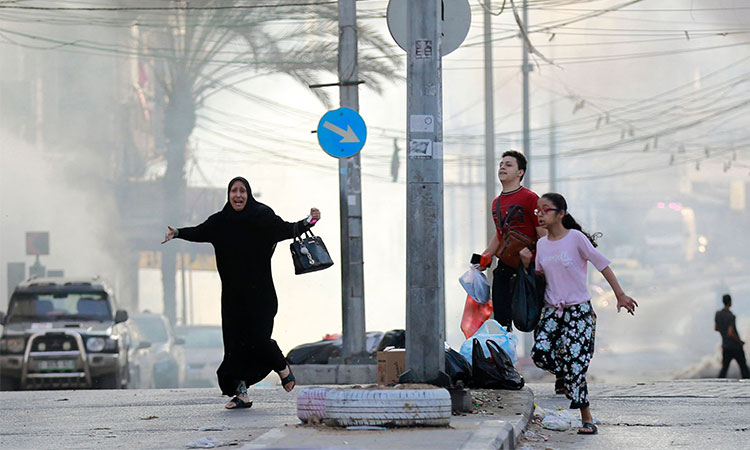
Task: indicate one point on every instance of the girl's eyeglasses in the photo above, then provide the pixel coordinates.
(544, 210)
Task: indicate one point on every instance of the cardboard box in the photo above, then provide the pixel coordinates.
(391, 364)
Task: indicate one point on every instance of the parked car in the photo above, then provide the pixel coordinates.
(141, 360)
(166, 349)
(63, 334)
(204, 351)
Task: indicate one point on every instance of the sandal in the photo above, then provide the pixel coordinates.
(288, 379)
(238, 404)
(560, 386)
(588, 428)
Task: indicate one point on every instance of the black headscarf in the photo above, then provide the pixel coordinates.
(253, 211)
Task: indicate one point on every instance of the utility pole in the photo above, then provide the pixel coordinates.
(527, 337)
(350, 198)
(425, 300)
(526, 69)
(552, 146)
(490, 171)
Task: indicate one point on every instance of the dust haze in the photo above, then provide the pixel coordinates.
(641, 124)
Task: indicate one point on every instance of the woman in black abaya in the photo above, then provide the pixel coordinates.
(244, 235)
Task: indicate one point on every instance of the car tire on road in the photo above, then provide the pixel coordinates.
(108, 381)
(388, 407)
(8, 384)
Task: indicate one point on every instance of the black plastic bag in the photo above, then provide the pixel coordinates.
(315, 352)
(528, 298)
(392, 338)
(495, 371)
(457, 367)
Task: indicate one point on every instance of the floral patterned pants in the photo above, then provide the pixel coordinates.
(564, 346)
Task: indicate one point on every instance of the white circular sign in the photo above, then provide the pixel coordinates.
(456, 23)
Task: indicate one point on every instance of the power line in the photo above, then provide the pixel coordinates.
(160, 8)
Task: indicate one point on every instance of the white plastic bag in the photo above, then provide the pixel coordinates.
(474, 281)
(491, 330)
(560, 420)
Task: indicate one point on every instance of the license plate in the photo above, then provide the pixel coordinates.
(57, 364)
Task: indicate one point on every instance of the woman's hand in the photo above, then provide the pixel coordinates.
(526, 255)
(624, 301)
(315, 214)
(170, 234)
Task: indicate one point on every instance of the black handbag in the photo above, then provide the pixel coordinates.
(528, 298)
(309, 253)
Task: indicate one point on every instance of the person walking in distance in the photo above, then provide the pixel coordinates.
(513, 209)
(564, 337)
(731, 344)
(244, 235)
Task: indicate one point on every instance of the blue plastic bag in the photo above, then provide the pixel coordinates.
(491, 330)
(476, 285)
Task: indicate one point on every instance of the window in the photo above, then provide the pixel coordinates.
(26, 307)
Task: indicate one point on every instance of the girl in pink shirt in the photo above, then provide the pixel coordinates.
(564, 337)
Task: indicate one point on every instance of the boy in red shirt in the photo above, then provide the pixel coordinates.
(513, 209)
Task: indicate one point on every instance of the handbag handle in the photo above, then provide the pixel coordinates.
(298, 236)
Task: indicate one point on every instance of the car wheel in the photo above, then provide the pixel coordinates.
(9, 384)
(108, 381)
(388, 407)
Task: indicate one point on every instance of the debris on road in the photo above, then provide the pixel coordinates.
(214, 428)
(534, 437)
(208, 442)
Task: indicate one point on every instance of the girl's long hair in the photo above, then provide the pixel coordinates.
(568, 221)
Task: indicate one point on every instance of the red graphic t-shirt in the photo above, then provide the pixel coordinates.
(517, 212)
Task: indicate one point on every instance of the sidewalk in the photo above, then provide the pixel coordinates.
(496, 424)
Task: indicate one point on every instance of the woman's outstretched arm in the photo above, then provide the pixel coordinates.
(285, 230)
(199, 233)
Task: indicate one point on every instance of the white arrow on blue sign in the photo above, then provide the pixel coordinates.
(342, 132)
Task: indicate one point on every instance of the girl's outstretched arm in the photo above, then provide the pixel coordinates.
(623, 300)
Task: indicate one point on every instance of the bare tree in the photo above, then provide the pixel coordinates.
(209, 44)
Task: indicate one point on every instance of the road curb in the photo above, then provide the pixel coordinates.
(503, 434)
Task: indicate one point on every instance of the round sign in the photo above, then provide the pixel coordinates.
(456, 23)
(342, 132)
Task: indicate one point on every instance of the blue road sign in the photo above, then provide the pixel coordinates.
(342, 132)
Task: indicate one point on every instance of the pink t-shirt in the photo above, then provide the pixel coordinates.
(564, 264)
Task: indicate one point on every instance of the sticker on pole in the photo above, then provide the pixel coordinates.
(342, 132)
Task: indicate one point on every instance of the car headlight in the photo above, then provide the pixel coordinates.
(95, 344)
(13, 345)
(110, 345)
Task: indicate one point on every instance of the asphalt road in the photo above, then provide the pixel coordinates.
(136, 419)
(696, 414)
(700, 414)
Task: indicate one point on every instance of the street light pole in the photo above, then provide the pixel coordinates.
(425, 301)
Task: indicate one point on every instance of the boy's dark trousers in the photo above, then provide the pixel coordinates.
(502, 294)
